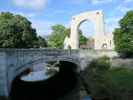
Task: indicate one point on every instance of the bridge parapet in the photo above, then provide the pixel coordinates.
(17, 57)
(12, 61)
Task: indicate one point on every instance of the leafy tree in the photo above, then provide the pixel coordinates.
(68, 32)
(42, 42)
(16, 32)
(97, 78)
(123, 36)
(57, 37)
(82, 38)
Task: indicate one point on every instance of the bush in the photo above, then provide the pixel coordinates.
(123, 36)
(98, 78)
(122, 80)
(104, 82)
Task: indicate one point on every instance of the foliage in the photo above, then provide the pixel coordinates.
(122, 77)
(102, 80)
(42, 42)
(98, 78)
(67, 32)
(56, 39)
(123, 36)
(16, 32)
(82, 38)
(122, 80)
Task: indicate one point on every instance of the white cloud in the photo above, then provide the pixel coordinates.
(42, 27)
(112, 23)
(78, 1)
(127, 1)
(28, 15)
(33, 4)
(123, 9)
(95, 2)
(112, 20)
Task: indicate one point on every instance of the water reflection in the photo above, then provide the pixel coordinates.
(86, 98)
(53, 88)
(35, 76)
(39, 73)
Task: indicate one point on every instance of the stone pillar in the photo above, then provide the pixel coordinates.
(99, 35)
(74, 37)
(3, 75)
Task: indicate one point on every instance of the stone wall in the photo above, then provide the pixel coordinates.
(3, 74)
(118, 62)
(11, 61)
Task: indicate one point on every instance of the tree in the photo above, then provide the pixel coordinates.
(97, 78)
(57, 37)
(42, 42)
(82, 38)
(123, 36)
(16, 32)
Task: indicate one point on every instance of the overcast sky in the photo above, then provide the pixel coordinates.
(45, 13)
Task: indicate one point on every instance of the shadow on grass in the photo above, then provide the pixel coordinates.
(3, 98)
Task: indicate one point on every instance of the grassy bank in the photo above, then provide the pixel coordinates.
(3, 98)
(122, 77)
(107, 83)
(122, 83)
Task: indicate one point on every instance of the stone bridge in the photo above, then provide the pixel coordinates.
(15, 61)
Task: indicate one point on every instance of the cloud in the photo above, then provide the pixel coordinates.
(43, 27)
(112, 20)
(32, 4)
(111, 23)
(28, 15)
(123, 9)
(78, 1)
(93, 2)
(96, 2)
(127, 1)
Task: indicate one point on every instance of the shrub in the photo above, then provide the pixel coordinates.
(123, 36)
(97, 77)
(122, 81)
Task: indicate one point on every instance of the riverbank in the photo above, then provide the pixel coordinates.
(3, 98)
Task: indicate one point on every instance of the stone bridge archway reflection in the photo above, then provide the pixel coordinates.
(53, 88)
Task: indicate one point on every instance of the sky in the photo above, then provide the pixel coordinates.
(45, 13)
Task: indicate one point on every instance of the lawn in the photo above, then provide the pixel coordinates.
(122, 77)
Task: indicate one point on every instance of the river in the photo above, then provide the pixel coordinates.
(37, 84)
(40, 75)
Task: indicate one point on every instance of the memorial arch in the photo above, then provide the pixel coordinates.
(102, 41)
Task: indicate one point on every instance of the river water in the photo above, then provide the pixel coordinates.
(35, 76)
(86, 98)
(41, 75)
(62, 79)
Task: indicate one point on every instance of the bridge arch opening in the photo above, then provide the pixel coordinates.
(97, 18)
(86, 34)
(53, 88)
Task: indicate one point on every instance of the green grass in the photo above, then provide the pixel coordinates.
(3, 98)
(122, 77)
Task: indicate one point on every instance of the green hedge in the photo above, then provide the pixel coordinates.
(103, 81)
